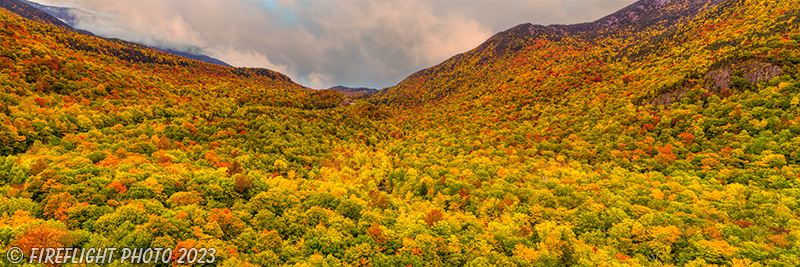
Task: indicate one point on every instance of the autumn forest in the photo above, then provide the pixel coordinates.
(665, 134)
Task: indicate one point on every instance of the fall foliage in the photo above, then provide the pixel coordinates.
(600, 144)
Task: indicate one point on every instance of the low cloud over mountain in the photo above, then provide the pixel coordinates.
(324, 43)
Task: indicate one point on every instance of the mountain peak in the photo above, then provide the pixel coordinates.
(642, 19)
(634, 18)
(645, 14)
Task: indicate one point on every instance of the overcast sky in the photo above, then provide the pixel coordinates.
(323, 43)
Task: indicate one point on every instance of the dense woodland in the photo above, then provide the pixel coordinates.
(630, 144)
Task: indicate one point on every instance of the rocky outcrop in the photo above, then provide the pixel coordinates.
(669, 97)
(754, 72)
(718, 80)
(346, 103)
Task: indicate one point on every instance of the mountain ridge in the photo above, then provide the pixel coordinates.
(353, 91)
(64, 17)
(27, 11)
(635, 19)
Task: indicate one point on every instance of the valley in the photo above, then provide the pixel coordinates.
(664, 134)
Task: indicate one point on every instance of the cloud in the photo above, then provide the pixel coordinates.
(323, 43)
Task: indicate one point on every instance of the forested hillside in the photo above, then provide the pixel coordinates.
(665, 134)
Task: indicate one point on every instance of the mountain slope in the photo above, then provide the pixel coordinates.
(643, 16)
(65, 14)
(643, 19)
(29, 12)
(65, 18)
(647, 141)
(42, 62)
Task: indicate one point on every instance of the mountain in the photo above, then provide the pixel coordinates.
(582, 123)
(55, 65)
(25, 10)
(664, 135)
(644, 19)
(642, 16)
(351, 92)
(66, 16)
